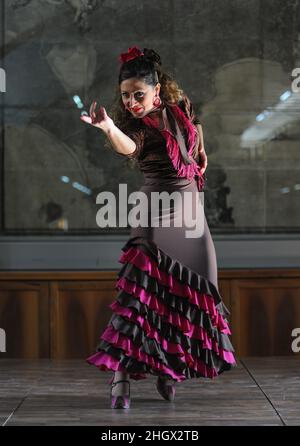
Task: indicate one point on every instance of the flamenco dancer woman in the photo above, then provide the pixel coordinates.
(168, 318)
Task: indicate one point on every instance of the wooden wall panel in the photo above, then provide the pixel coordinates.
(264, 313)
(24, 315)
(79, 313)
(225, 292)
(62, 314)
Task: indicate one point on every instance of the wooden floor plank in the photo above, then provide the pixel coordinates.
(279, 379)
(74, 393)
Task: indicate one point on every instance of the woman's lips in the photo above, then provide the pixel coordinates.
(136, 110)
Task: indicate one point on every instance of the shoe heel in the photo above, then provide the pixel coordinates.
(167, 391)
(120, 401)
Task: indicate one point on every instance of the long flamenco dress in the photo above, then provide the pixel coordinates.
(168, 317)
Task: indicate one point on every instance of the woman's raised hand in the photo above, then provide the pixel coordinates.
(98, 118)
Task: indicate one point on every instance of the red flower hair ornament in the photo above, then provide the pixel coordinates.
(132, 53)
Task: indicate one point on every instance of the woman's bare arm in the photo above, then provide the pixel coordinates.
(120, 142)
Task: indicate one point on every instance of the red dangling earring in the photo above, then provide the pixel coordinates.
(157, 101)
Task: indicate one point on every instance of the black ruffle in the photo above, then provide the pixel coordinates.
(172, 333)
(151, 347)
(151, 285)
(132, 366)
(173, 267)
(168, 332)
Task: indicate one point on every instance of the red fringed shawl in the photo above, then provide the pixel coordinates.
(181, 157)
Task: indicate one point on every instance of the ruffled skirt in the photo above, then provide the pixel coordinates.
(168, 317)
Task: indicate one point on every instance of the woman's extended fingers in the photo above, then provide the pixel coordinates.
(96, 116)
(87, 119)
(100, 115)
(92, 111)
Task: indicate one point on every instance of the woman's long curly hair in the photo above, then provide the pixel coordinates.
(143, 67)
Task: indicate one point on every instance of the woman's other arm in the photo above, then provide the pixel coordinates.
(188, 107)
(201, 150)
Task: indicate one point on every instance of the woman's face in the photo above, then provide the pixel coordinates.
(137, 96)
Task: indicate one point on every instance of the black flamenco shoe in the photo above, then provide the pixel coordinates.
(167, 391)
(120, 401)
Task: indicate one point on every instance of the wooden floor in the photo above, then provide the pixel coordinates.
(260, 391)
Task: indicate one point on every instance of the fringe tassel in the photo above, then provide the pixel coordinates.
(190, 170)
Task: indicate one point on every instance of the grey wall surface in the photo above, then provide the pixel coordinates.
(103, 252)
(234, 58)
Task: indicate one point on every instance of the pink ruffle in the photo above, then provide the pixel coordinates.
(193, 332)
(101, 359)
(203, 301)
(183, 170)
(106, 362)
